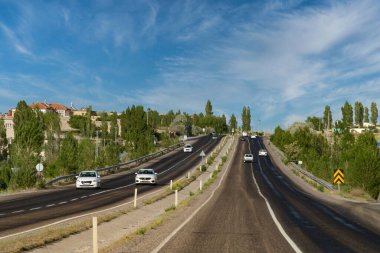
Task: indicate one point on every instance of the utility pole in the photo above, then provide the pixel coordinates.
(97, 144)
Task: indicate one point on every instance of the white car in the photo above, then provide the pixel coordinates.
(146, 176)
(188, 148)
(248, 158)
(263, 152)
(253, 136)
(88, 179)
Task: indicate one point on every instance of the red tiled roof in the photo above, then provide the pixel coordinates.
(59, 106)
(39, 105)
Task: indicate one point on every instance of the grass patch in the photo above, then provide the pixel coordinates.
(141, 231)
(170, 208)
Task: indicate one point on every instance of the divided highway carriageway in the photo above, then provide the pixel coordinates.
(25, 211)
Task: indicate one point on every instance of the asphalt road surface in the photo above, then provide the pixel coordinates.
(24, 211)
(257, 209)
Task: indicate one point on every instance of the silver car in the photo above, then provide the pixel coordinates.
(188, 148)
(248, 158)
(88, 179)
(263, 152)
(146, 176)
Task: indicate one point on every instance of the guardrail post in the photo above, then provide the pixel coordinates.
(200, 185)
(176, 198)
(95, 234)
(135, 199)
(171, 185)
(188, 174)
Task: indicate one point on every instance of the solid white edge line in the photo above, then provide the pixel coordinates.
(271, 212)
(172, 234)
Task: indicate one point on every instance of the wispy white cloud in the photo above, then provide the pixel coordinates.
(14, 40)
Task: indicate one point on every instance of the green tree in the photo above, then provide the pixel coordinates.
(366, 114)
(359, 113)
(347, 114)
(233, 123)
(114, 127)
(246, 118)
(315, 122)
(208, 108)
(52, 129)
(86, 154)
(68, 155)
(104, 128)
(327, 118)
(27, 145)
(374, 113)
(3, 141)
(138, 137)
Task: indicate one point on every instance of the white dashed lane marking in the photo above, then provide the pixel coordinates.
(35, 208)
(50, 205)
(63, 202)
(74, 199)
(19, 211)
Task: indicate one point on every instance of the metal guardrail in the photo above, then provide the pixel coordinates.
(121, 165)
(305, 172)
(312, 177)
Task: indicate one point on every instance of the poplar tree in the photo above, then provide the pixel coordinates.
(366, 114)
(327, 118)
(138, 137)
(347, 115)
(359, 114)
(208, 108)
(246, 118)
(233, 122)
(3, 141)
(114, 131)
(27, 145)
(374, 113)
(68, 155)
(52, 129)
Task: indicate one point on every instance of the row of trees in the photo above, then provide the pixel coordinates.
(38, 138)
(357, 155)
(351, 116)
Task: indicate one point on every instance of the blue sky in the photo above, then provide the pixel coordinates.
(284, 59)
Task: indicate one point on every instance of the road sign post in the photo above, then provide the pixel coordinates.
(338, 177)
(202, 155)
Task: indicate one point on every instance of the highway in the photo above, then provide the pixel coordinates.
(19, 212)
(257, 209)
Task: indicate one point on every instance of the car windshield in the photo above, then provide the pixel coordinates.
(188, 146)
(87, 174)
(145, 172)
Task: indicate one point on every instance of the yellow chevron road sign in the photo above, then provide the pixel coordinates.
(338, 176)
